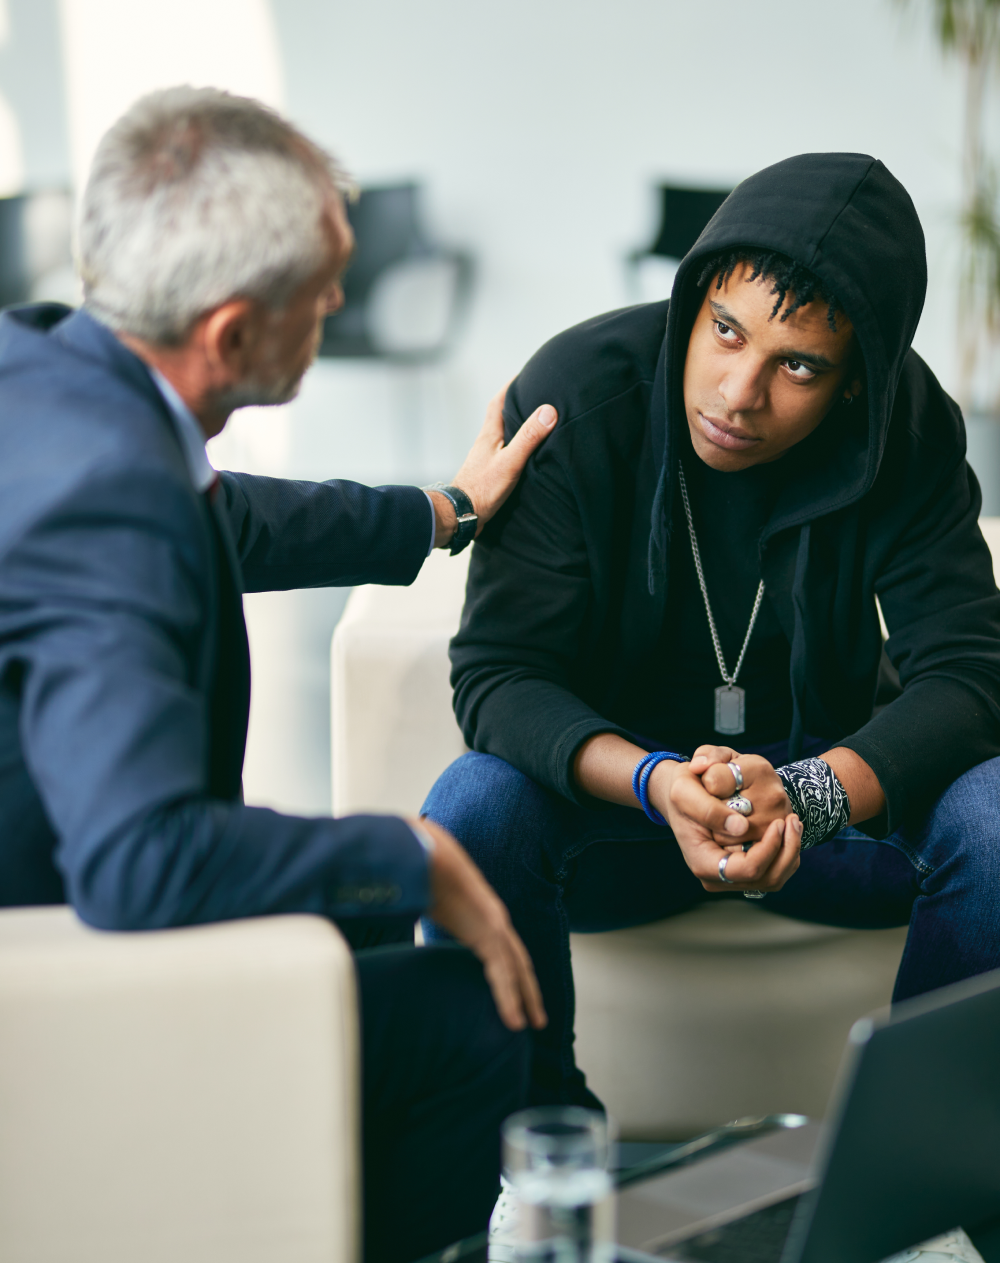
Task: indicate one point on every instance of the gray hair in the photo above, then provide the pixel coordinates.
(196, 197)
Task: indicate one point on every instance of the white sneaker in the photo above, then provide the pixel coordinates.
(951, 1247)
(503, 1225)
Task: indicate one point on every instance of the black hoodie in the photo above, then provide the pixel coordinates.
(568, 584)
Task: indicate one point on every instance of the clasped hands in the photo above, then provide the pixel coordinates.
(763, 849)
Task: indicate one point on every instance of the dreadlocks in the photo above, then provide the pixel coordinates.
(784, 274)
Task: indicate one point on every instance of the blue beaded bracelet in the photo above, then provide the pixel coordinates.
(640, 780)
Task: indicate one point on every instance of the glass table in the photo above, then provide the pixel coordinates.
(638, 1161)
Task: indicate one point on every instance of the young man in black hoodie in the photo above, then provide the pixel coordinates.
(694, 561)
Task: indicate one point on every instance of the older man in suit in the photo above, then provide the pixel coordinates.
(212, 242)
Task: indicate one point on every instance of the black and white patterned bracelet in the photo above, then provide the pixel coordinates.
(817, 798)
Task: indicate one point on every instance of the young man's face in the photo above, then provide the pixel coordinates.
(755, 386)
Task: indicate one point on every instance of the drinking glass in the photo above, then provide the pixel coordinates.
(557, 1159)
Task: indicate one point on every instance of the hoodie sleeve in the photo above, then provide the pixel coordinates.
(527, 606)
(942, 610)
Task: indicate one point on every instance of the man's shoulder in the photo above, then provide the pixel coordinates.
(591, 364)
(926, 426)
(71, 429)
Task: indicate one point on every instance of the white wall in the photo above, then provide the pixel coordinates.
(118, 50)
(33, 123)
(539, 126)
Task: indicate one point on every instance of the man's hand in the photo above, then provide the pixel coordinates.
(761, 785)
(465, 905)
(706, 830)
(491, 470)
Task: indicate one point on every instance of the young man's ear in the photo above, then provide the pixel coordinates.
(854, 390)
(854, 372)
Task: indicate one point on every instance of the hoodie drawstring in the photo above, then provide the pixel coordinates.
(659, 535)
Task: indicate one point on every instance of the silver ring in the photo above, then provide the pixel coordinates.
(738, 804)
(754, 895)
(737, 772)
(722, 869)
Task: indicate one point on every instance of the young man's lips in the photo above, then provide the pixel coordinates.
(716, 433)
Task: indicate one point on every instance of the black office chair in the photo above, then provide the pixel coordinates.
(35, 244)
(684, 212)
(389, 243)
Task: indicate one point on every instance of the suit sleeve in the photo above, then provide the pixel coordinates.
(293, 534)
(103, 612)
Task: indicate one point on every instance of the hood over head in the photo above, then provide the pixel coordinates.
(848, 220)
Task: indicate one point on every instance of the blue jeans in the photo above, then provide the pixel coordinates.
(559, 867)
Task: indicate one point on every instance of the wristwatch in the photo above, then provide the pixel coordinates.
(465, 512)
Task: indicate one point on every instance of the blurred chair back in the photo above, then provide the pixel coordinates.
(36, 260)
(404, 296)
(684, 212)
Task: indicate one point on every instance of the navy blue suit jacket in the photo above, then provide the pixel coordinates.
(124, 671)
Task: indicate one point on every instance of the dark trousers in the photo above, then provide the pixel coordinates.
(440, 1073)
(560, 868)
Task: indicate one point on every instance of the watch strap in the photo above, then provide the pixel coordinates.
(465, 513)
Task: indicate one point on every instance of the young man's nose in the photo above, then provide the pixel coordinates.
(742, 387)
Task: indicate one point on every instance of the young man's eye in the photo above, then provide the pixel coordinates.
(726, 332)
(799, 370)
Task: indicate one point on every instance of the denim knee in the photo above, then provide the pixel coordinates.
(963, 828)
(500, 816)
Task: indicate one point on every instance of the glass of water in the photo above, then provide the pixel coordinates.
(557, 1158)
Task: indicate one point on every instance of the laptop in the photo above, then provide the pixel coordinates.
(910, 1149)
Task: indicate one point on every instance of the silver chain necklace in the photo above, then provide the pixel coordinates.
(730, 700)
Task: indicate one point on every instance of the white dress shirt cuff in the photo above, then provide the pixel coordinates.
(430, 547)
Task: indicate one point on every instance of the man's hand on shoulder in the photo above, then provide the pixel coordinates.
(491, 470)
(465, 905)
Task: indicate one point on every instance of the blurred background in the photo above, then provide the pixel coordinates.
(513, 159)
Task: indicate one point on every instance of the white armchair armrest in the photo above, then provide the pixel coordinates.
(394, 731)
(177, 1095)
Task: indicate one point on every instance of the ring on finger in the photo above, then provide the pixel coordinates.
(722, 869)
(739, 804)
(737, 772)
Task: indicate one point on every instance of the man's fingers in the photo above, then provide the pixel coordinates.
(506, 995)
(531, 993)
(746, 870)
(492, 427)
(693, 800)
(749, 867)
(705, 756)
(512, 981)
(537, 427)
(791, 848)
(720, 780)
(768, 865)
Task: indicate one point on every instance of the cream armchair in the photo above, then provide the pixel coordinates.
(664, 1012)
(177, 1095)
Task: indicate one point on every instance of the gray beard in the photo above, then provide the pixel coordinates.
(260, 394)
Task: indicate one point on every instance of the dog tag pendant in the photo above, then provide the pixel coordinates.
(729, 703)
